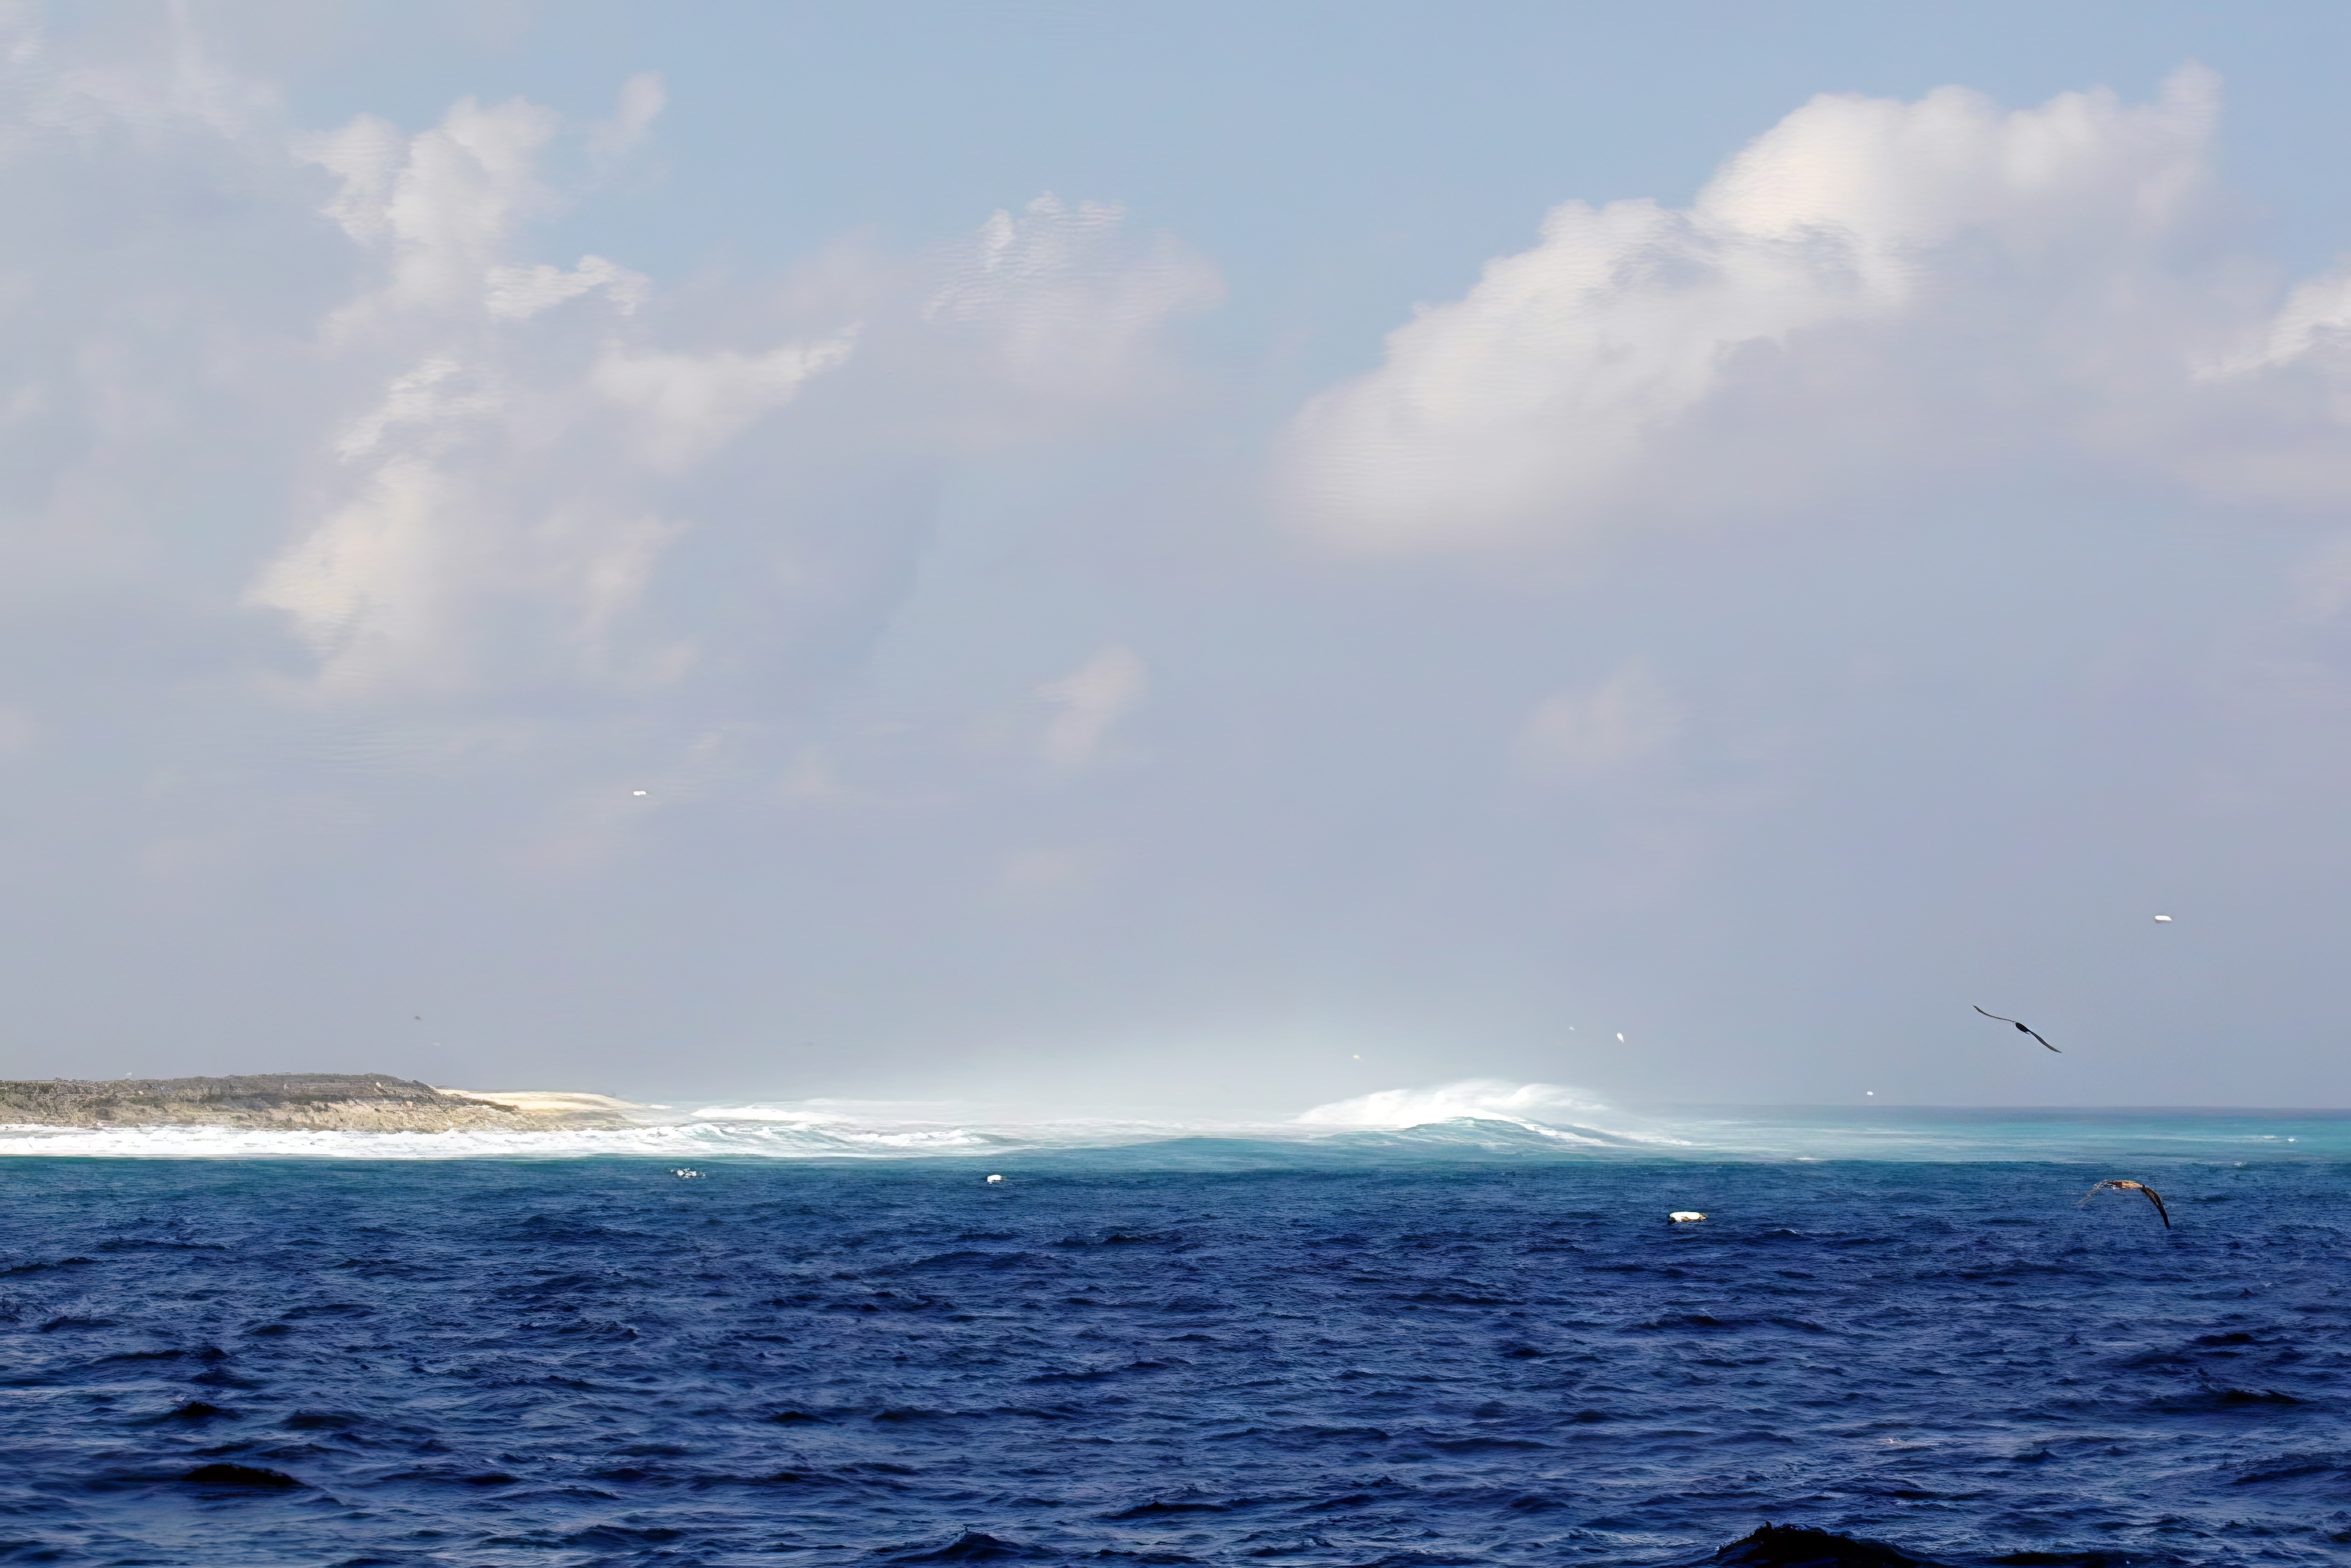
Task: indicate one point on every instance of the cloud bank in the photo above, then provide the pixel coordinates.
(1756, 630)
(1870, 289)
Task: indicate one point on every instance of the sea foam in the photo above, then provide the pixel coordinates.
(1471, 1119)
(1477, 1116)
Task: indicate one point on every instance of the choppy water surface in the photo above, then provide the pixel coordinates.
(592, 1361)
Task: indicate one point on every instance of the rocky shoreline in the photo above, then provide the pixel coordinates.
(322, 1101)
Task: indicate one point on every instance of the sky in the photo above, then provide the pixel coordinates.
(1180, 558)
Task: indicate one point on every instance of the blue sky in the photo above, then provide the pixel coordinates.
(1397, 145)
(1186, 555)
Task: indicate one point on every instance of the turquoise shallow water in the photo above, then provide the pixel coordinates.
(2066, 1133)
(1489, 1122)
(1451, 1344)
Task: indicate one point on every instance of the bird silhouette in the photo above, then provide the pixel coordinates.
(2021, 1028)
(2152, 1196)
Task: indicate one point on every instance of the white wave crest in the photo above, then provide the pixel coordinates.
(1479, 1099)
(678, 1141)
(1474, 1119)
(827, 1128)
(796, 1130)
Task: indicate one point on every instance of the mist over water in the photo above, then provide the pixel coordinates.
(1472, 1119)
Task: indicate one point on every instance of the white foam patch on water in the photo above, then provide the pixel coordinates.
(1466, 1114)
(1549, 1110)
(1473, 1099)
(1473, 1118)
(682, 1140)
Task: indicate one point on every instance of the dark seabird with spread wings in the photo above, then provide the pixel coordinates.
(2020, 1028)
(2152, 1196)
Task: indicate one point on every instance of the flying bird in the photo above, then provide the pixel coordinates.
(2132, 1187)
(2021, 1028)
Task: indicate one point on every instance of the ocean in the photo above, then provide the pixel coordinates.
(1474, 1340)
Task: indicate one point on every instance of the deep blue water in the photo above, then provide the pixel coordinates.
(485, 1362)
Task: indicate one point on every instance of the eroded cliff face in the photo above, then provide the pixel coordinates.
(334, 1101)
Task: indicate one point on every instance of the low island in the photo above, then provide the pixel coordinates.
(323, 1102)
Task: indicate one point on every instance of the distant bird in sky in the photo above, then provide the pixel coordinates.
(2021, 1028)
(2131, 1186)
(2163, 920)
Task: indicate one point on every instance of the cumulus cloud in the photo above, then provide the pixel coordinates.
(441, 209)
(1090, 698)
(510, 473)
(1065, 295)
(500, 511)
(521, 292)
(642, 98)
(689, 405)
(368, 551)
(1551, 396)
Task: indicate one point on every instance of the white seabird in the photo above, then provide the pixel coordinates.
(1685, 1216)
(995, 1181)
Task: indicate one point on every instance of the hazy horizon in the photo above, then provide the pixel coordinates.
(1179, 556)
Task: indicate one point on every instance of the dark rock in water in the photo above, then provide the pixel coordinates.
(226, 1475)
(327, 1102)
(1795, 1546)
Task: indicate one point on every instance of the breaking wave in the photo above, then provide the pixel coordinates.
(1474, 1119)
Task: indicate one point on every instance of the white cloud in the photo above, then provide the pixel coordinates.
(1066, 296)
(642, 98)
(441, 209)
(1092, 698)
(497, 510)
(688, 405)
(1542, 400)
(1589, 730)
(529, 531)
(521, 292)
(437, 393)
(499, 507)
